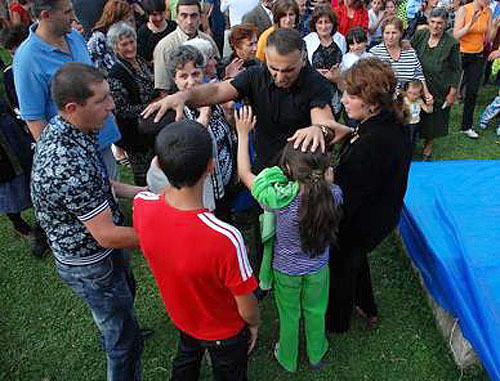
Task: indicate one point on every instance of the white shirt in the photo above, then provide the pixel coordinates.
(372, 21)
(237, 9)
(351, 58)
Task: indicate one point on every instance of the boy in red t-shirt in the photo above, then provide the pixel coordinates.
(199, 262)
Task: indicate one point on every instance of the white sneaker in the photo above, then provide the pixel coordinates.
(470, 133)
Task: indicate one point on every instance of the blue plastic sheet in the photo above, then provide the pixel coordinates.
(451, 228)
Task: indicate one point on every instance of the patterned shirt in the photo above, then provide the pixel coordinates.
(100, 51)
(288, 255)
(224, 142)
(69, 186)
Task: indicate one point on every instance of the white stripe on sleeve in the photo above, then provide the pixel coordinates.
(235, 237)
(100, 208)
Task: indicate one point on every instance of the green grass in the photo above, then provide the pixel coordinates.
(46, 333)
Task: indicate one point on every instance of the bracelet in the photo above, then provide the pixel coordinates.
(325, 130)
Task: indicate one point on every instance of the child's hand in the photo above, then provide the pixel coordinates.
(245, 120)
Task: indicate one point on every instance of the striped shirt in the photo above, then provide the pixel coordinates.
(288, 255)
(407, 68)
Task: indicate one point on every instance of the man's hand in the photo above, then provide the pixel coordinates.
(245, 120)
(308, 138)
(171, 102)
(254, 333)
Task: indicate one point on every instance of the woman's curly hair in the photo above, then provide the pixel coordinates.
(375, 83)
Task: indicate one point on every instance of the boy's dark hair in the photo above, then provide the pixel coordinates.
(356, 35)
(319, 215)
(286, 41)
(44, 5)
(188, 2)
(72, 83)
(184, 150)
(12, 37)
(152, 6)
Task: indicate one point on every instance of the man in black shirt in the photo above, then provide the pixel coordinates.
(290, 99)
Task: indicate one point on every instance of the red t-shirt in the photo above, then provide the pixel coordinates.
(199, 263)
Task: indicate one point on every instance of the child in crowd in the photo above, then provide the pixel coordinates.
(493, 109)
(304, 204)
(415, 103)
(357, 41)
(376, 15)
(199, 263)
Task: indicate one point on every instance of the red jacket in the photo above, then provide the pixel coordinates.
(359, 19)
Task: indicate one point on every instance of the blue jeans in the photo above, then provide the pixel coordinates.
(108, 289)
(490, 112)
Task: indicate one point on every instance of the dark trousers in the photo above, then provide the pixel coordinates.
(229, 357)
(473, 67)
(350, 284)
(414, 135)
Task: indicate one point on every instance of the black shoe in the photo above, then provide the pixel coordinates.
(146, 333)
(40, 246)
(40, 249)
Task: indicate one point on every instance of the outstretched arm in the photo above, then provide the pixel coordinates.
(204, 95)
(245, 122)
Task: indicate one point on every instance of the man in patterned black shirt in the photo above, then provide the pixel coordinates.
(75, 205)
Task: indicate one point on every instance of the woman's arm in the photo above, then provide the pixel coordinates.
(492, 27)
(461, 28)
(245, 122)
(455, 69)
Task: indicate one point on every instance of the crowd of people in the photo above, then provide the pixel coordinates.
(228, 114)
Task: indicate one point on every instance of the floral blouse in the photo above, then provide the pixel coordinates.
(100, 52)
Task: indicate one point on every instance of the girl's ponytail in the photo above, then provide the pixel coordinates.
(319, 216)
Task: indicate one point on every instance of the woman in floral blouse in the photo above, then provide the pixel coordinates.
(131, 83)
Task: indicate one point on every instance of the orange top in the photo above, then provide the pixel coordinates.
(262, 43)
(473, 41)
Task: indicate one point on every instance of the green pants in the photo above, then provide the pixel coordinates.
(306, 294)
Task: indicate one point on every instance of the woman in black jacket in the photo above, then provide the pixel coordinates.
(372, 171)
(131, 84)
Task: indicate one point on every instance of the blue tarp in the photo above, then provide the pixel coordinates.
(451, 228)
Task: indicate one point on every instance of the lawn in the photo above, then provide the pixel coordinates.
(47, 333)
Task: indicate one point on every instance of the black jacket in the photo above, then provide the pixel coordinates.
(373, 172)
